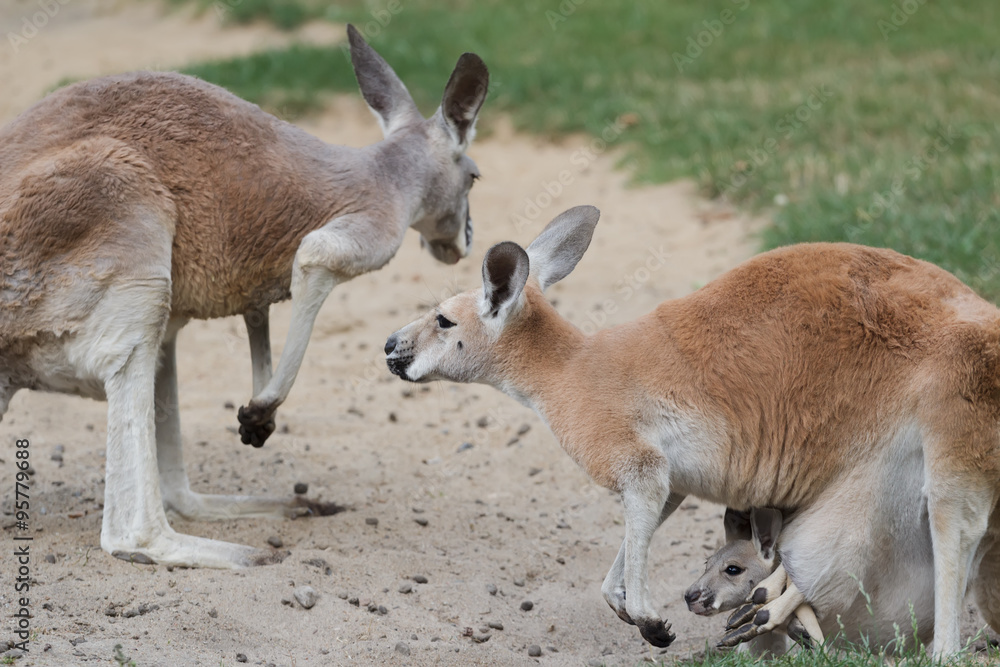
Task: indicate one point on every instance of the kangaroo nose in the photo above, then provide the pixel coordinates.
(390, 344)
(692, 595)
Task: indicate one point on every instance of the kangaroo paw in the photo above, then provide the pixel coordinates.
(256, 424)
(736, 636)
(742, 615)
(657, 633)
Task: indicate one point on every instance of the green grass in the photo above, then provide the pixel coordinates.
(852, 657)
(736, 116)
(286, 14)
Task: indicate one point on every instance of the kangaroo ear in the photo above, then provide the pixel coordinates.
(737, 525)
(561, 244)
(766, 524)
(385, 94)
(505, 270)
(464, 96)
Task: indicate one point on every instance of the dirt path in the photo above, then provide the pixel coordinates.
(510, 514)
(47, 41)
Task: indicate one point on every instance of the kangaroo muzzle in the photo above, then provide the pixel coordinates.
(397, 361)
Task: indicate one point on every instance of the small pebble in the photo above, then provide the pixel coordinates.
(213, 613)
(464, 446)
(534, 471)
(483, 422)
(420, 579)
(241, 657)
(371, 521)
(354, 601)
(275, 542)
(306, 596)
(527, 605)
(421, 521)
(228, 405)
(382, 610)
(413, 637)
(519, 582)
(342, 595)
(50, 558)
(406, 588)
(301, 488)
(481, 639)
(523, 429)
(535, 651)
(496, 625)
(403, 647)
(393, 418)
(491, 589)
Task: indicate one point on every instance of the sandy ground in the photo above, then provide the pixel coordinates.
(508, 519)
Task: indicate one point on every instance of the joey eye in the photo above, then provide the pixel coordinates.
(734, 570)
(444, 322)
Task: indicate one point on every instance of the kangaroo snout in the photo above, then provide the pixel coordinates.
(397, 358)
(390, 344)
(700, 601)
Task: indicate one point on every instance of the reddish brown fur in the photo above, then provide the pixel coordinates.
(229, 170)
(49, 218)
(796, 352)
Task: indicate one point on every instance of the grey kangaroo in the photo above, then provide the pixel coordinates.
(131, 204)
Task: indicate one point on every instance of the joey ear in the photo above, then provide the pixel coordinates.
(384, 92)
(737, 525)
(766, 524)
(464, 96)
(562, 243)
(505, 270)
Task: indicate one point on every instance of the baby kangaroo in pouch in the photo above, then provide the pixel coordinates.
(822, 380)
(732, 574)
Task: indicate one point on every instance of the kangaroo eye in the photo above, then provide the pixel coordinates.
(734, 570)
(444, 322)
